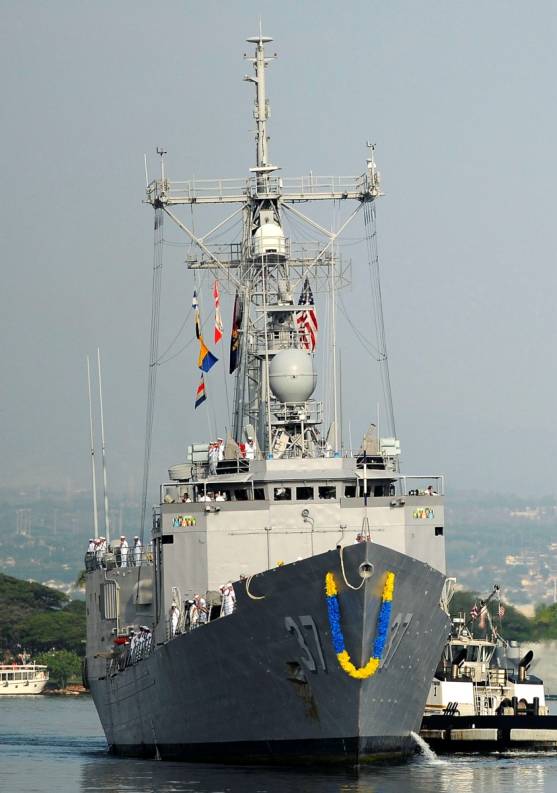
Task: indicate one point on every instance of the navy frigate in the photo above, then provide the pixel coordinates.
(289, 605)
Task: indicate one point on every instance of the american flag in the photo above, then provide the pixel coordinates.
(306, 320)
(474, 611)
(501, 611)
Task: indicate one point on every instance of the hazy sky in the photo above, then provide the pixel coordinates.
(460, 99)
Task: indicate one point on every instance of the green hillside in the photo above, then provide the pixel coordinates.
(36, 618)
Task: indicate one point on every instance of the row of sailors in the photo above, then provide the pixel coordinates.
(100, 546)
(208, 495)
(196, 611)
(134, 646)
(247, 451)
(140, 643)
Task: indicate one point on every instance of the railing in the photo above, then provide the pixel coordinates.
(299, 254)
(238, 190)
(112, 559)
(225, 189)
(288, 412)
(422, 489)
(194, 617)
(138, 649)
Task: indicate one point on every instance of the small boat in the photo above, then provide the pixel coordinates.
(483, 697)
(22, 679)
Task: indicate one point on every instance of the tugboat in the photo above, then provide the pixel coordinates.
(483, 697)
(290, 607)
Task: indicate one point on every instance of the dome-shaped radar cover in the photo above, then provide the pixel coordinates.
(291, 376)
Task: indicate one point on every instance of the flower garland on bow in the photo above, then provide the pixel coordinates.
(333, 610)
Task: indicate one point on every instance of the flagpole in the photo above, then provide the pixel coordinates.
(93, 474)
(105, 485)
(334, 330)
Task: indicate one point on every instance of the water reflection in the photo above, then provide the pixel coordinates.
(58, 745)
(530, 774)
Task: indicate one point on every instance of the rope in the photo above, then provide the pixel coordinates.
(248, 593)
(375, 282)
(369, 348)
(346, 581)
(153, 356)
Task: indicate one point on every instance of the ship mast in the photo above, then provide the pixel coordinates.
(275, 378)
(261, 104)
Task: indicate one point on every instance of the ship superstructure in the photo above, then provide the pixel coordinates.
(291, 605)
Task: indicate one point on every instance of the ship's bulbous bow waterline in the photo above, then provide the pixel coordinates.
(264, 684)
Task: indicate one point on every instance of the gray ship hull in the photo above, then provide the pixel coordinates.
(264, 684)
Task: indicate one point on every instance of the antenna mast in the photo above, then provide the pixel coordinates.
(93, 474)
(106, 516)
(261, 104)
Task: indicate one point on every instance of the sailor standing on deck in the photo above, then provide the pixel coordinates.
(213, 458)
(228, 599)
(91, 546)
(137, 551)
(198, 611)
(133, 645)
(174, 618)
(101, 550)
(250, 448)
(124, 548)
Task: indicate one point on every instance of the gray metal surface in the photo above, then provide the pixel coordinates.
(264, 683)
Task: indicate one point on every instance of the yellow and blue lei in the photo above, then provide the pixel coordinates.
(333, 610)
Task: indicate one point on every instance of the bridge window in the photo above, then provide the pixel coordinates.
(283, 494)
(472, 652)
(304, 493)
(350, 491)
(259, 493)
(327, 491)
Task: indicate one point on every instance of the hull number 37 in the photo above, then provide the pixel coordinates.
(307, 635)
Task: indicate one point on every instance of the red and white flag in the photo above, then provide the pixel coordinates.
(474, 611)
(218, 318)
(501, 611)
(306, 318)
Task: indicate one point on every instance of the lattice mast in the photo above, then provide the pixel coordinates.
(265, 270)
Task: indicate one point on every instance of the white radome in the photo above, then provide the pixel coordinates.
(291, 376)
(269, 239)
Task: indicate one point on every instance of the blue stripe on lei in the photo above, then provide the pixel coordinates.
(334, 623)
(382, 628)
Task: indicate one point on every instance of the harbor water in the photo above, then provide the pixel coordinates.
(56, 744)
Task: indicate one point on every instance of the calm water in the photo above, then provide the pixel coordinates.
(56, 745)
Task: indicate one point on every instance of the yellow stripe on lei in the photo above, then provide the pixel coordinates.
(371, 667)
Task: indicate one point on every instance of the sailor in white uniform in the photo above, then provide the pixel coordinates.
(250, 449)
(213, 458)
(124, 548)
(228, 599)
(137, 551)
(174, 618)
